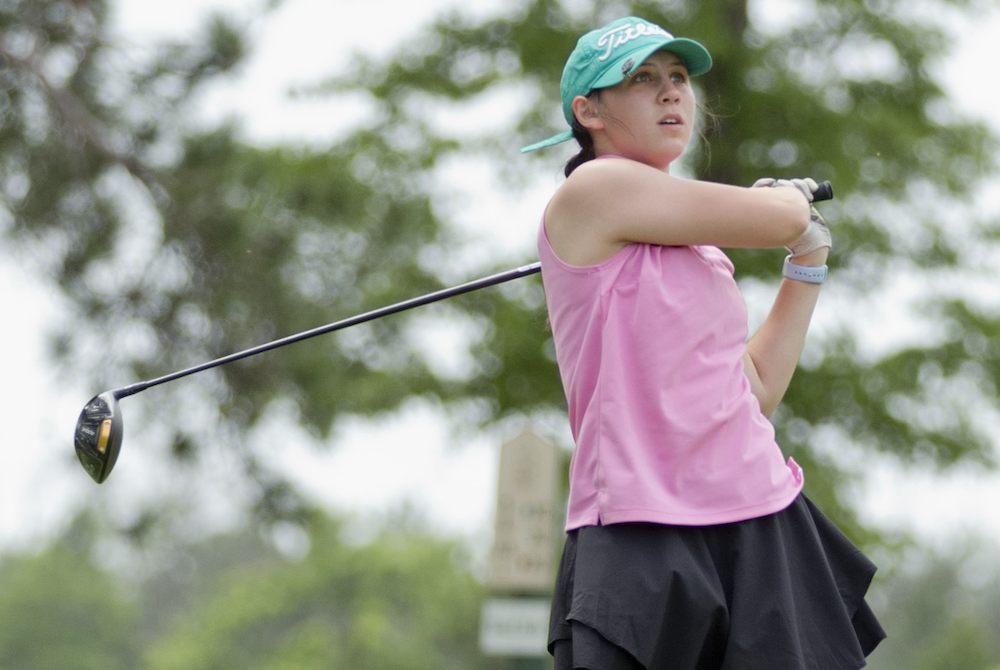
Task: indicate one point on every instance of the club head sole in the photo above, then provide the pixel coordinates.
(98, 437)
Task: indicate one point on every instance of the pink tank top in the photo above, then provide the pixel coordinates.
(650, 348)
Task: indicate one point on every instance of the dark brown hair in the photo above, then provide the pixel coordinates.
(582, 136)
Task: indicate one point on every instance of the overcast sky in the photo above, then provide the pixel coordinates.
(304, 41)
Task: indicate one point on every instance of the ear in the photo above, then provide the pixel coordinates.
(586, 113)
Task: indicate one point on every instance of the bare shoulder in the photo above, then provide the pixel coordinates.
(594, 214)
(600, 180)
(614, 186)
(580, 221)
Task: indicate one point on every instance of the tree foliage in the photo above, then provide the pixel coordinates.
(176, 243)
(405, 600)
(60, 612)
(400, 600)
(942, 611)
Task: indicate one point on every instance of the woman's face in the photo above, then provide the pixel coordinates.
(650, 116)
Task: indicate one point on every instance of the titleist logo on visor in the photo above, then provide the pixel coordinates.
(625, 34)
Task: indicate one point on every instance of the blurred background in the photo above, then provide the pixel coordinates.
(182, 180)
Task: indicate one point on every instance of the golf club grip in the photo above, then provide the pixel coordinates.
(823, 192)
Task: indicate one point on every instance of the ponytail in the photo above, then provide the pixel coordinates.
(582, 136)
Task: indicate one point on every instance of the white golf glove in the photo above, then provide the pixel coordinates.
(806, 185)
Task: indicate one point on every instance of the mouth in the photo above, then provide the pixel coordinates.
(672, 120)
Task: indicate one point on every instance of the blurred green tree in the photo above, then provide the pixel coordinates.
(401, 601)
(176, 244)
(59, 612)
(942, 611)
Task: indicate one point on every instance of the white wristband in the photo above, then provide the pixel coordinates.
(807, 273)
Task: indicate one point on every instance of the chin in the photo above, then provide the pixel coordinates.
(660, 160)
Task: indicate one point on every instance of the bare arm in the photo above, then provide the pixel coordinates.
(773, 352)
(607, 204)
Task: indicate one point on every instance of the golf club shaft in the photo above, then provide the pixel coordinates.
(443, 294)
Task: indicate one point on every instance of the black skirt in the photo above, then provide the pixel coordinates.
(782, 591)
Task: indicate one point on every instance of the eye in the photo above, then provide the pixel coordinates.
(678, 77)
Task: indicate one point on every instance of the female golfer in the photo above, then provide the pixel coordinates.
(690, 545)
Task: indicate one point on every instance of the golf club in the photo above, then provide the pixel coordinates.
(99, 430)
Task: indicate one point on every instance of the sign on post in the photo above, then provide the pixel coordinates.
(522, 560)
(528, 508)
(515, 627)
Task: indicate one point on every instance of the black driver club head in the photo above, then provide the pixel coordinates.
(98, 437)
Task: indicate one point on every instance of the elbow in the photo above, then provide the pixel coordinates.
(795, 221)
(767, 407)
(784, 215)
(767, 402)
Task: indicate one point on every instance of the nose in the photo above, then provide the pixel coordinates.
(670, 92)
